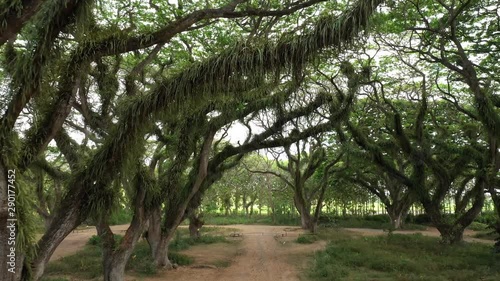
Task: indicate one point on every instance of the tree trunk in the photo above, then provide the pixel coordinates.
(452, 232)
(153, 234)
(236, 204)
(161, 254)
(397, 213)
(59, 229)
(114, 268)
(47, 221)
(115, 260)
(397, 221)
(10, 264)
(451, 235)
(195, 224)
(179, 202)
(306, 220)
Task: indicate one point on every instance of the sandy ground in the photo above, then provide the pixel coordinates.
(78, 238)
(263, 253)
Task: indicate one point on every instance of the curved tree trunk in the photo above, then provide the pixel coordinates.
(306, 219)
(397, 213)
(161, 253)
(10, 265)
(60, 228)
(115, 260)
(153, 234)
(452, 233)
(115, 257)
(195, 224)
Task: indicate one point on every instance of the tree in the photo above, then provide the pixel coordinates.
(90, 46)
(436, 165)
(461, 45)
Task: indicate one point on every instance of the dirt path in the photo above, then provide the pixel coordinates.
(77, 239)
(263, 255)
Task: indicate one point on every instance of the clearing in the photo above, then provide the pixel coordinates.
(264, 253)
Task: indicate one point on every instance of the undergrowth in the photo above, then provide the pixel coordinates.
(404, 257)
(87, 263)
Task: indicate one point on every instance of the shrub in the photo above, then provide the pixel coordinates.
(477, 226)
(120, 216)
(142, 263)
(306, 239)
(182, 243)
(378, 218)
(421, 219)
(404, 257)
(180, 259)
(96, 240)
(488, 218)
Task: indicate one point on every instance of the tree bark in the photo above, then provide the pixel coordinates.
(178, 203)
(161, 253)
(61, 226)
(153, 234)
(195, 224)
(10, 265)
(397, 213)
(115, 258)
(306, 220)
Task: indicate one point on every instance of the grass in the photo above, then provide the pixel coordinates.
(87, 263)
(362, 223)
(487, 235)
(184, 242)
(348, 222)
(254, 219)
(306, 239)
(403, 257)
(477, 226)
(222, 263)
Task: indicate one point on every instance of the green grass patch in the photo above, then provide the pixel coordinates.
(306, 239)
(87, 263)
(477, 226)
(54, 279)
(181, 242)
(121, 216)
(222, 263)
(487, 235)
(404, 257)
(254, 219)
(374, 224)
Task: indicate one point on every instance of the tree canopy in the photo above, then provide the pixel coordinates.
(105, 103)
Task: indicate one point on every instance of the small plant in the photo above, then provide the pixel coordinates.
(477, 226)
(403, 257)
(306, 239)
(96, 240)
(180, 259)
